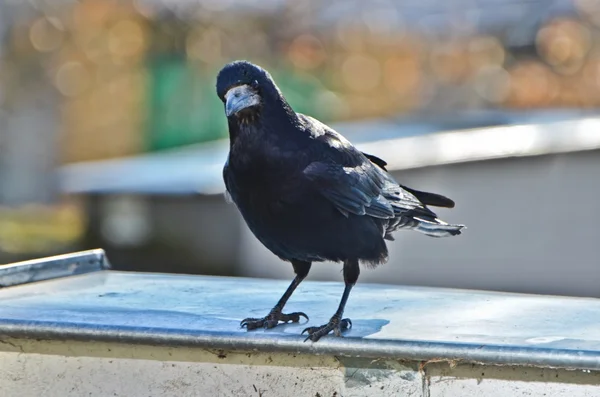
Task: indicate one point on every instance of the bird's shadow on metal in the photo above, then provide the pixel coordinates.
(361, 328)
(365, 327)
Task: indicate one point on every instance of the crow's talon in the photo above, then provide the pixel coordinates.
(335, 325)
(272, 320)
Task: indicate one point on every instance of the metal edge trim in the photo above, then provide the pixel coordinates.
(403, 153)
(420, 351)
(53, 267)
(481, 144)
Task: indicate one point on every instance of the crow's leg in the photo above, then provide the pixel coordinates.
(336, 323)
(275, 315)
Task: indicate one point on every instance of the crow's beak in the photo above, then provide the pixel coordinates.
(239, 98)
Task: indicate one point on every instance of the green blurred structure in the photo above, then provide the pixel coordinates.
(183, 108)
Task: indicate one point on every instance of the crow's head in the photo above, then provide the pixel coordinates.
(246, 88)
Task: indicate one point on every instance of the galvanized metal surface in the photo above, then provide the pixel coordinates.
(53, 267)
(409, 323)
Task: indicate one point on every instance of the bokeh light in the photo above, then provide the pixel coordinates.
(46, 34)
(361, 72)
(564, 43)
(306, 52)
(72, 78)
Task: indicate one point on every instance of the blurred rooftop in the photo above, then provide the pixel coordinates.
(404, 143)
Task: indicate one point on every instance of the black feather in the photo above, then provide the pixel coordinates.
(376, 160)
(434, 199)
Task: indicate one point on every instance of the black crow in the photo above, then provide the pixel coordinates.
(308, 194)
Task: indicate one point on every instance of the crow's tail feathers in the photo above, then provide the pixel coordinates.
(437, 228)
(425, 222)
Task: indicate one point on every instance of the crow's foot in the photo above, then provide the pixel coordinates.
(335, 324)
(272, 320)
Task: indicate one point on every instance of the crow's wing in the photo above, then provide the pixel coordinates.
(361, 190)
(354, 182)
(434, 199)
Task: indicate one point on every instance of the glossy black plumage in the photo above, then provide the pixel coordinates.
(307, 193)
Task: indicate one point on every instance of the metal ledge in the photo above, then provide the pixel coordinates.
(416, 324)
(53, 267)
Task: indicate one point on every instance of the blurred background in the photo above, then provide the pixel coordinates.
(112, 136)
